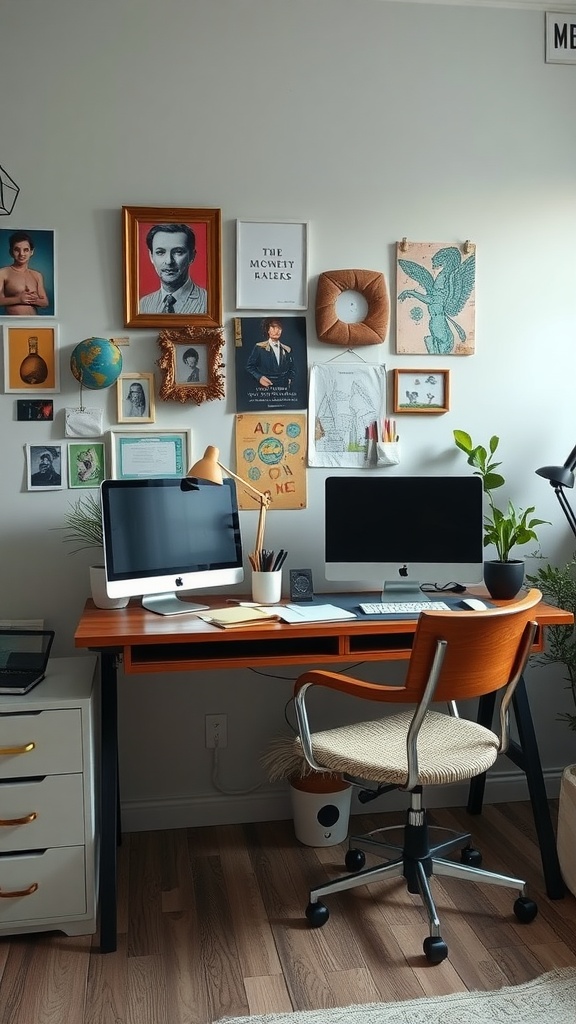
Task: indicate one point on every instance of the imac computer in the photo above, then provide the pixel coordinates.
(400, 532)
(166, 536)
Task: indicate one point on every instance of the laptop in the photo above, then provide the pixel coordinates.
(24, 655)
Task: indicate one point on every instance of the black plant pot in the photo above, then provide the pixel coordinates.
(504, 579)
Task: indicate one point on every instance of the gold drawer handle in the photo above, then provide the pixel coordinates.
(19, 892)
(18, 750)
(19, 821)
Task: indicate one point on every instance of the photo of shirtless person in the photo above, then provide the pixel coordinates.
(22, 289)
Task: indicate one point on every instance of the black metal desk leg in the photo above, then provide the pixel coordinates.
(108, 803)
(527, 757)
(478, 783)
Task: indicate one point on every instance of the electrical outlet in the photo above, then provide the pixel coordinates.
(216, 731)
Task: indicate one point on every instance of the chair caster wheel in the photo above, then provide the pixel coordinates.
(317, 914)
(435, 949)
(355, 860)
(471, 857)
(525, 909)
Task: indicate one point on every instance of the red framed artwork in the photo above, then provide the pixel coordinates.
(172, 266)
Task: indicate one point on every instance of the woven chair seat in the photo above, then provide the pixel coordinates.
(449, 749)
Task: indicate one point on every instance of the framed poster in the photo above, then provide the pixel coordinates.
(271, 455)
(27, 273)
(421, 391)
(86, 464)
(271, 265)
(172, 266)
(31, 358)
(135, 398)
(271, 363)
(161, 453)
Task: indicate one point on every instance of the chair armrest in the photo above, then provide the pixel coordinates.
(354, 687)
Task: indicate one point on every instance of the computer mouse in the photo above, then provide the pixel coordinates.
(473, 604)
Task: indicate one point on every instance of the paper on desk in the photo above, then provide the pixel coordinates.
(311, 613)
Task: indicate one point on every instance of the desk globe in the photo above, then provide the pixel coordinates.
(96, 363)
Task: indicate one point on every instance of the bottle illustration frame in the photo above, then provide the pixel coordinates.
(31, 360)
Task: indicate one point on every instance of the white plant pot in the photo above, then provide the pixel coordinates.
(98, 590)
(567, 827)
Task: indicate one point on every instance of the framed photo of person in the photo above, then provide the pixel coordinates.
(27, 273)
(159, 453)
(172, 266)
(271, 265)
(135, 398)
(44, 467)
(191, 364)
(31, 358)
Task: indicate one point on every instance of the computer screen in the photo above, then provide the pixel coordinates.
(401, 532)
(166, 536)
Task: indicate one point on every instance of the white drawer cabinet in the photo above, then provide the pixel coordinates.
(48, 830)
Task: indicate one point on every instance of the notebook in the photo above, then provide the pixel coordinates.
(24, 655)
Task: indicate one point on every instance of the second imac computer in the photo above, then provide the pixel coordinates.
(394, 533)
(166, 536)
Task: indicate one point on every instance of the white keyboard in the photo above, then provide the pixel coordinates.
(404, 607)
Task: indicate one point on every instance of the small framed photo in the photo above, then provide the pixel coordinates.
(421, 391)
(172, 266)
(34, 410)
(44, 467)
(191, 364)
(86, 464)
(160, 453)
(27, 274)
(31, 358)
(135, 398)
(271, 265)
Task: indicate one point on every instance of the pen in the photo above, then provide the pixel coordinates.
(280, 560)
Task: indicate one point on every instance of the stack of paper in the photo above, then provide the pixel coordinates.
(237, 616)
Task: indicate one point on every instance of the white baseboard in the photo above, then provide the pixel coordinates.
(273, 804)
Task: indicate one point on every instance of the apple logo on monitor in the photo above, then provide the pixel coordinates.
(403, 570)
(179, 582)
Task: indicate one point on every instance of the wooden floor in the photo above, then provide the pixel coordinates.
(211, 924)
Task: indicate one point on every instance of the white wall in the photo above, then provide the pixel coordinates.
(372, 121)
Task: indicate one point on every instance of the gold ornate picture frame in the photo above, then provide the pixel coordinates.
(191, 364)
(172, 266)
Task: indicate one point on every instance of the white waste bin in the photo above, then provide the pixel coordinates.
(321, 809)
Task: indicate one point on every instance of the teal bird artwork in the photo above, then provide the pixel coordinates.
(444, 292)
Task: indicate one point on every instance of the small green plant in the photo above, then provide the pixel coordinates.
(83, 523)
(504, 530)
(558, 585)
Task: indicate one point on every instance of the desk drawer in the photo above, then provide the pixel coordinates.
(46, 743)
(57, 803)
(61, 887)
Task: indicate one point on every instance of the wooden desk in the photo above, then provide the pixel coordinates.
(155, 643)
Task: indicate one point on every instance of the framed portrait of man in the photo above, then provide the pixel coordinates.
(27, 273)
(172, 266)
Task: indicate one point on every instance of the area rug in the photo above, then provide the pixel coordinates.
(550, 999)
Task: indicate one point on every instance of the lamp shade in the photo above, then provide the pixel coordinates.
(208, 467)
(559, 476)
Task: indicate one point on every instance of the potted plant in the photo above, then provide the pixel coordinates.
(83, 523)
(505, 529)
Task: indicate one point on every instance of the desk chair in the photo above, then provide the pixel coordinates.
(456, 655)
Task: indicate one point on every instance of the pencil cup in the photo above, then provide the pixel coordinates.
(267, 587)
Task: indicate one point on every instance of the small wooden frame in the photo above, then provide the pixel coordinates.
(135, 398)
(421, 391)
(167, 251)
(191, 364)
